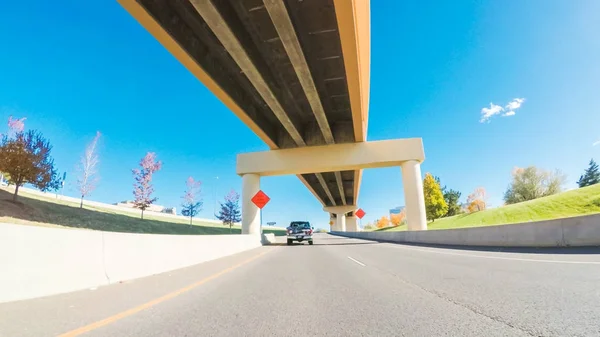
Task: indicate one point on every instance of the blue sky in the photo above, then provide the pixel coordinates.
(84, 66)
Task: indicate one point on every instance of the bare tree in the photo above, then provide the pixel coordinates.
(88, 171)
(142, 188)
(191, 204)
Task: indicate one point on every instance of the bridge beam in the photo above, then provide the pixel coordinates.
(229, 40)
(285, 29)
(331, 158)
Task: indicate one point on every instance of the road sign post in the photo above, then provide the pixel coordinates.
(62, 187)
(360, 214)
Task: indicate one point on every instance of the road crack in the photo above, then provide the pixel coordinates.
(470, 308)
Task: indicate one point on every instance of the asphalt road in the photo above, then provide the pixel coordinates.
(338, 287)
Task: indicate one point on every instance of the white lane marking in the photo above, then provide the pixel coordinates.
(498, 257)
(362, 264)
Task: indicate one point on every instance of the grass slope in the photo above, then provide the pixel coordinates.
(40, 211)
(567, 204)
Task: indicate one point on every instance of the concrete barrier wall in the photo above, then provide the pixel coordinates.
(41, 261)
(566, 232)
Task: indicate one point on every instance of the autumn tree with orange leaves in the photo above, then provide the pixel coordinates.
(383, 222)
(398, 219)
(477, 201)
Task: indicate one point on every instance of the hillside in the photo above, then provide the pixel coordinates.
(567, 204)
(42, 211)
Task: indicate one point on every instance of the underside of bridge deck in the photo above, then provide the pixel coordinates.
(294, 71)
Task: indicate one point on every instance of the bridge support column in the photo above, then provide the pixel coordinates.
(416, 217)
(351, 224)
(332, 221)
(250, 213)
(341, 222)
(340, 213)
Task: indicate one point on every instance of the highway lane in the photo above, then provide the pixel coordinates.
(338, 287)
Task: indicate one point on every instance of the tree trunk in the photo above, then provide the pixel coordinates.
(16, 192)
(230, 227)
(142, 214)
(190, 220)
(81, 203)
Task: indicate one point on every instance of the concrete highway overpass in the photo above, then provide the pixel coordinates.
(297, 74)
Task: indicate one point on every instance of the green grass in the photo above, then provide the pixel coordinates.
(38, 210)
(581, 201)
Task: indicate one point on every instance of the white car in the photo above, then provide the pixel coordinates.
(299, 231)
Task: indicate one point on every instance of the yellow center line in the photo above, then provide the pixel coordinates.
(135, 310)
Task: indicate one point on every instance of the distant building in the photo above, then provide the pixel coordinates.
(151, 208)
(396, 210)
(169, 210)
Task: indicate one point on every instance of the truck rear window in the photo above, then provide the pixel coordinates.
(299, 224)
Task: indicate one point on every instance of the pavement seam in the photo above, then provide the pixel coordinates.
(462, 305)
(356, 261)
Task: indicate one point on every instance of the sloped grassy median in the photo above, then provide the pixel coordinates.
(581, 201)
(38, 211)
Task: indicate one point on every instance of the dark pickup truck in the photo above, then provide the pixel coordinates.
(299, 231)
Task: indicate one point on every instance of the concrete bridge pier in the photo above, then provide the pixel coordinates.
(351, 223)
(250, 213)
(416, 217)
(341, 224)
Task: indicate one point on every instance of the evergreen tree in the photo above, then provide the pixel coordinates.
(230, 210)
(435, 205)
(591, 175)
(451, 197)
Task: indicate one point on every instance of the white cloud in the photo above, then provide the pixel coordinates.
(487, 113)
(596, 143)
(512, 106)
(515, 104)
